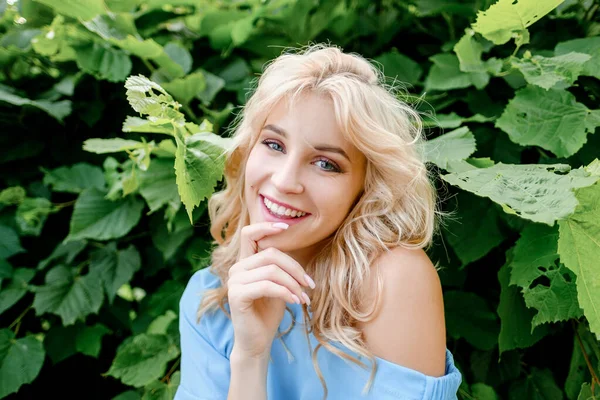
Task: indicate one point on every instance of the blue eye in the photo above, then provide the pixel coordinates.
(268, 143)
(332, 167)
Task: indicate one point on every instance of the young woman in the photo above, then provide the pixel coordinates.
(326, 211)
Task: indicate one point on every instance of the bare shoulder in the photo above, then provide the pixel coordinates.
(409, 328)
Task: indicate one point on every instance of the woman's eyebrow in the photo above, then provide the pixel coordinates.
(321, 147)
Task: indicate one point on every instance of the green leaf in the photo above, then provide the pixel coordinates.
(400, 67)
(157, 185)
(469, 316)
(589, 45)
(547, 72)
(136, 124)
(169, 242)
(469, 51)
(165, 298)
(538, 385)
(162, 391)
(475, 231)
(142, 359)
(89, 339)
(9, 242)
(103, 146)
(452, 146)
(199, 164)
(70, 296)
(12, 195)
(505, 18)
(586, 392)
(94, 217)
(68, 251)
(481, 391)
(57, 109)
(104, 62)
(535, 256)
(115, 267)
(454, 120)
(214, 84)
(31, 215)
(74, 179)
(516, 329)
(186, 88)
(143, 99)
(161, 323)
(128, 395)
(540, 193)
(550, 119)
(84, 9)
(59, 342)
(445, 74)
(16, 289)
(20, 361)
(579, 249)
(180, 55)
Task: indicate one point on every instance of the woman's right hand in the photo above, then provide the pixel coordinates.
(259, 285)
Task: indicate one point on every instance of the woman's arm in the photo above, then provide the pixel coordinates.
(248, 377)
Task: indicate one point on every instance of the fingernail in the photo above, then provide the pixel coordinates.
(306, 299)
(280, 225)
(296, 299)
(310, 282)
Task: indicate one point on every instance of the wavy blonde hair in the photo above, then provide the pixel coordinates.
(396, 208)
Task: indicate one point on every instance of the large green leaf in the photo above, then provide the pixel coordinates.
(56, 109)
(516, 330)
(589, 45)
(186, 88)
(142, 96)
(551, 119)
(9, 242)
(104, 62)
(452, 146)
(579, 249)
(103, 146)
(199, 164)
(115, 267)
(94, 217)
(20, 361)
(481, 391)
(68, 295)
(445, 74)
(541, 193)
(89, 339)
(16, 289)
(84, 9)
(400, 67)
(168, 242)
(507, 17)
(474, 232)
(535, 255)
(547, 72)
(157, 184)
(31, 215)
(142, 359)
(469, 316)
(74, 179)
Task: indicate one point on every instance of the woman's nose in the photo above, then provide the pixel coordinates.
(286, 177)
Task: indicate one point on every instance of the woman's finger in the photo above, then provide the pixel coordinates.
(253, 233)
(271, 272)
(244, 295)
(274, 256)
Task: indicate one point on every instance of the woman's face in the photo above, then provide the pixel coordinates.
(302, 163)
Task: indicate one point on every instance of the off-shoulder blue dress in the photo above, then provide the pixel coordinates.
(206, 347)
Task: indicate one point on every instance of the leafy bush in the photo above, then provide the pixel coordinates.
(113, 117)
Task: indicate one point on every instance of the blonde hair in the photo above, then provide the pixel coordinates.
(396, 208)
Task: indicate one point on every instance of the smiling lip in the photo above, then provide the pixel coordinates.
(272, 218)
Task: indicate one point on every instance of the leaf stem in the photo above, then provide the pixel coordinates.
(168, 375)
(585, 356)
(65, 204)
(18, 320)
(148, 64)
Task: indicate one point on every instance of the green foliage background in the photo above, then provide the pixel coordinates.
(113, 116)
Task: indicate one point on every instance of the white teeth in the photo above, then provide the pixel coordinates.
(281, 210)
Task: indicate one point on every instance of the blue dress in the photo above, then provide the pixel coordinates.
(206, 347)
